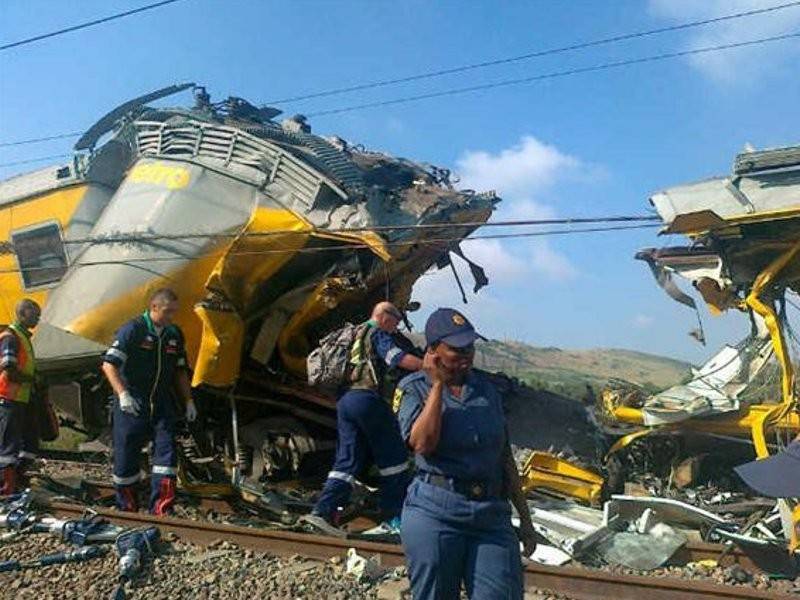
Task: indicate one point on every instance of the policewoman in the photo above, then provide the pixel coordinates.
(147, 368)
(456, 521)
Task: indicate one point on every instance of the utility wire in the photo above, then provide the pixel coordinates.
(535, 54)
(114, 17)
(146, 237)
(346, 246)
(60, 136)
(33, 160)
(555, 74)
(482, 65)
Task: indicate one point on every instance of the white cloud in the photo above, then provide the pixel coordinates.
(641, 321)
(518, 172)
(516, 268)
(737, 65)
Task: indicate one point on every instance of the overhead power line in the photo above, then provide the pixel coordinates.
(34, 160)
(555, 74)
(481, 65)
(534, 54)
(508, 82)
(114, 17)
(148, 237)
(59, 136)
(134, 262)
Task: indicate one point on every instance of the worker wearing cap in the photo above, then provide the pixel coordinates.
(367, 429)
(456, 520)
(146, 367)
(17, 376)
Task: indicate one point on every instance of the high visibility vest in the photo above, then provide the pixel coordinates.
(26, 364)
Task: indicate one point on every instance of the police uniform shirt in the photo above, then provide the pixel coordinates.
(385, 347)
(472, 439)
(147, 359)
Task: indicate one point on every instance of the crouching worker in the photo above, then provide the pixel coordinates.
(367, 429)
(17, 376)
(456, 524)
(146, 366)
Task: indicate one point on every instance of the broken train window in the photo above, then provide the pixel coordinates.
(40, 254)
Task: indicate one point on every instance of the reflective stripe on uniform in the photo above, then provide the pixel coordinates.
(27, 455)
(164, 470)
(117, 353)
(393, 470)
(126, 480)
(391, 354)
(341, 476)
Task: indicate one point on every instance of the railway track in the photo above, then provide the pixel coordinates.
(574, 582)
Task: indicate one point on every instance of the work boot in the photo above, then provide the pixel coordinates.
(322, 525)
(166, 497)
(126, 498)
(8, 480)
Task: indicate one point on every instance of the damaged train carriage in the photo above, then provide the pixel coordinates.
(272, 236)
(744, 255)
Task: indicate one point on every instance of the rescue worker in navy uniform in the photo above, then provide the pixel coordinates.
(146, 365)
(17, 377)
(456, 520)
(367, 429)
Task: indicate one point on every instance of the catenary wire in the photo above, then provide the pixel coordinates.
(33, 160)
(534, 54)
(484, 64)
(147, 237)
(554, 75)
(58, 32)
(60, 136)
(347, 246)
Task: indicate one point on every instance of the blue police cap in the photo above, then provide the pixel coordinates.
(777, 476)
(451, 327)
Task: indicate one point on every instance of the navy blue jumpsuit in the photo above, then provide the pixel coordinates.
(367, 431)
(148, 362)
(456, 520)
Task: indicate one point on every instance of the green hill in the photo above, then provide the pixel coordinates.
(568, 372)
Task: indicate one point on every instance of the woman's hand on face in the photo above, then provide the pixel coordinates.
(432, 365)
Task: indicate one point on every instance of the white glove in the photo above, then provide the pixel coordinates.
(191, 411)
(128, 404)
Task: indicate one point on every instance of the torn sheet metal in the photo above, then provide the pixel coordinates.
(666, 510)
(544, 470)
(768, 186)
(642, 551)
(714, 388)
(569, 526)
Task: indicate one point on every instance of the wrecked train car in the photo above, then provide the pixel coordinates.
(273, 236)
(744, 255)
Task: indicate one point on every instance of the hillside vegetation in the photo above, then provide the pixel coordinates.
(568, 372)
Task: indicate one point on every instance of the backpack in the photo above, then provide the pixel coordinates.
(329, 365)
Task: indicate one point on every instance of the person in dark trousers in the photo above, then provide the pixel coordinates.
(17, 377)
(367, 429)
(456, 522)
(146, 367)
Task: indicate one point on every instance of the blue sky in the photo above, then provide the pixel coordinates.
(592, 144)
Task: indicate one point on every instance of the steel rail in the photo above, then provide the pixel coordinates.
(576, 582)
